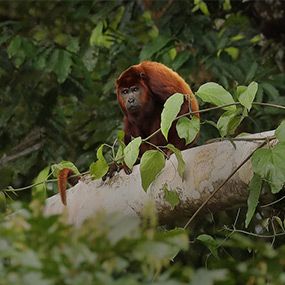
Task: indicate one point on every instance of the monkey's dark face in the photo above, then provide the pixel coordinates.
(131, 97)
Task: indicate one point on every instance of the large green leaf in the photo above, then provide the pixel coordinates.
(180, 160)
(280, 132)
(99, 168)
(215, 94)
(39, 191)
(152, 162)
(252, 201)
(246, 98)
(60, 63)
(188, 129)
(170, 111)
(131, 152)
(269, 164)
(229, 121)
(56, 168)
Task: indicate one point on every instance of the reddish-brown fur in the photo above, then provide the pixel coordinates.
(64, 176)
(157, 83)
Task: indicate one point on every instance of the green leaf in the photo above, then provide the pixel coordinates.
(188, 129)
(120, 152)
(280, 132)
(227, 5)
(99, 168)
(152, 162)
(73, 44)
(252, 201)
(56, 168)
(2, 202)
(270, 90)
(240, 89)
(171, 197)
(246, 98)
(269, 164)
(99, 36)
(170, 111)
(204, 8)
(39, 191)
(229, 121)
(256, 39)
(233, 52)
(215, 94)
(210, 242)
(180, 160)
(154, 46)
(14, 46)
(180, 59)
(131, 152)
(60, 63)
(177, 239)
(251, 72)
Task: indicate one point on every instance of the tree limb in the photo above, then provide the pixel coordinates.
(207, 167)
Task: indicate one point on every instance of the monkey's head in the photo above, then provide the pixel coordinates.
(132, 91)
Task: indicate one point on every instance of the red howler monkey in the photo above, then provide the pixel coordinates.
(142, 90)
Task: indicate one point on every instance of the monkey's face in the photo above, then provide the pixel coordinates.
(132, 98)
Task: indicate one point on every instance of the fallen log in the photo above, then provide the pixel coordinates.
(206, 168)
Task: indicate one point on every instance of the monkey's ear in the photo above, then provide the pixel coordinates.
(142, 75)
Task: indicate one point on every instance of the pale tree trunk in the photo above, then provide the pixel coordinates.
(207, 167)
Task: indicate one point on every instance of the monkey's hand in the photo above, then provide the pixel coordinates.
(115, 167)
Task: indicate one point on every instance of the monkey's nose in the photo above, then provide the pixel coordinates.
(131, 100)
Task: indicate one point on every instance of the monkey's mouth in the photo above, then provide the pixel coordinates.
(133, 108)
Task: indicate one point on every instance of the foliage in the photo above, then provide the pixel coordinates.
(59, 62)
(126, 250)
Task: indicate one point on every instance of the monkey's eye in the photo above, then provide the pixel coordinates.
(125, 91)
(135, 89)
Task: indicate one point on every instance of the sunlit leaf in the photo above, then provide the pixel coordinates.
(233, 52)
(56, 168)
(152, 162)
(246, 98)
(215, 94)
(188, 129)
(131, 152)
(170, 111)
(99, 168)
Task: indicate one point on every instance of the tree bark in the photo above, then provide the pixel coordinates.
(207, 167)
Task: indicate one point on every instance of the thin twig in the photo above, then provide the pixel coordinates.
(272, 203)
(253, 234)
(222, 184)
(239, 139)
